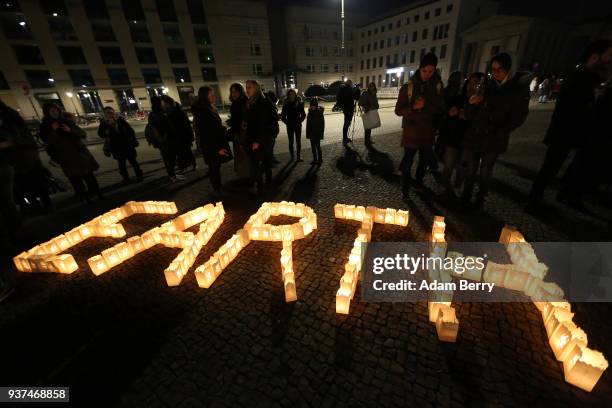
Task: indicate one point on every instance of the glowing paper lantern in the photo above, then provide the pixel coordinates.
(257, 229)
(447, 324)
(583, 367)
(49, 257)
(368, 216)
(98, 265)
(565, 337)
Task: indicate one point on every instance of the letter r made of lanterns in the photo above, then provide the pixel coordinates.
(582, 366)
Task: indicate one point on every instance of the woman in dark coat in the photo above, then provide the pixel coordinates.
(369, 101)
(315, 128)
(419, 102)
(121, 141)
(160, 134)
(237, 124)
(261, 129)
(293, 115)
(454, 127)
(65, 146)
(210, 133)
(183, 131)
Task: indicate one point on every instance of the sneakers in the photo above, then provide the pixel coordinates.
(177, 177)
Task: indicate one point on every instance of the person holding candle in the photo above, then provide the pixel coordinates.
(210, 133)
(419, 102)
(64, 140)
(121, 140)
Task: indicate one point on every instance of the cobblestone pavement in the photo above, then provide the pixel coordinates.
(126, 339)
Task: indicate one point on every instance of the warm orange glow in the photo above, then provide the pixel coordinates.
(48, 257)
(257, 229)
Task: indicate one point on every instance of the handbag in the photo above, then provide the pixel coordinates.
(229, 157)
(371, 119)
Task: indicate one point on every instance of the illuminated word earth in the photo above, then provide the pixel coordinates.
(582, 366)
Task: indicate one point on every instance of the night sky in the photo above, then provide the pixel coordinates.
(553, 9)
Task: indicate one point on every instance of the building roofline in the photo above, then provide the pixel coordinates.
(397, 11)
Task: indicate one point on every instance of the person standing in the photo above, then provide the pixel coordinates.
(237, 124)
(121, 141)
(418, 102)
(368, 101)
(160, 134)
(183, 132)
(210, 133)
(346, 97)
(65, 146)
(315, 129)
(453, 129)
(293, 115)
(262, 121)
(571, 124)
(499, 106)
(21, 152)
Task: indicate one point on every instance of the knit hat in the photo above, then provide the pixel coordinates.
(429, 59)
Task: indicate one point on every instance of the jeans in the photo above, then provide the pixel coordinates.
(185, 157)
(123, 167)
(315, 146)
(348, 119)
(553, 160)
(214, 174)
(471, 160)
(451, 162)
(295, 132)
(262, 166)
(79, 183)
(168, 153)
(367, 137)
(424, 159)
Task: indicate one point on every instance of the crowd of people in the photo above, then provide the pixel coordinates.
(462, 127)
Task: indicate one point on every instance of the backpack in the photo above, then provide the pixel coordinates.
(153, 136)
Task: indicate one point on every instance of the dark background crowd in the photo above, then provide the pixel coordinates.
(462, 127)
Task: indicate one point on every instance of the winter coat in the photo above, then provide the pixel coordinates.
(209, 131)
(163, 129)
(262, 120)
(23, 154)
(67, 147)
(505, 108)
(180, 125)
(368, 101)
(238, 114)
(315, 123)
(121, 137)
(346, 98)
(418, 125)
(572, 119)
(293, 113)
(453, 128)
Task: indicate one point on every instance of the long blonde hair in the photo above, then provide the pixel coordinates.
(258, 92)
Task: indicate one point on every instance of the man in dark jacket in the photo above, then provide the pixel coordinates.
(346, 97)
(293, 115)
(570, 126)
(495, 112)
(181, 126)
(262, 122)
(120, 139)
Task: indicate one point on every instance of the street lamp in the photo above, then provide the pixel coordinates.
(342, 43)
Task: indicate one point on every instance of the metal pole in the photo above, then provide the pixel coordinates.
(342, 48)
